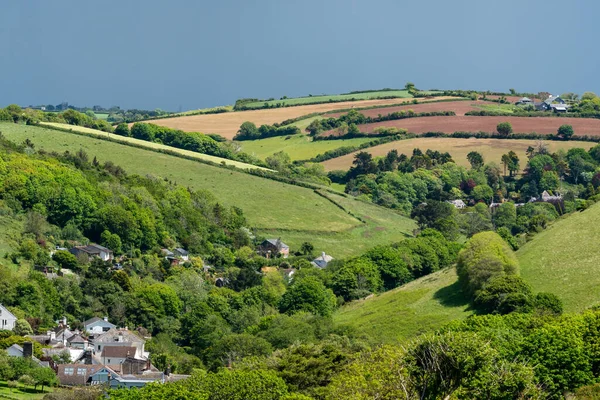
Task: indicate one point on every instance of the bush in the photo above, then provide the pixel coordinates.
(504, 128)
(505, 294)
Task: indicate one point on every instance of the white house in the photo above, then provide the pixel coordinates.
(93, 250)
(96, 326)
(7, 319)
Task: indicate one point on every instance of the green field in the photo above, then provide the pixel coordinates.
(423, 305)
(151, 145)
(498, 107)
(299, 147)
(21, 393)
(565, 260)
(276, 206)
(296, 101)
(103, 116)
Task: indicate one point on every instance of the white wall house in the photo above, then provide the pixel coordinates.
(7, 319)
(96, 326)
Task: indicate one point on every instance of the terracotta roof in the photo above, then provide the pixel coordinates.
(118, 352)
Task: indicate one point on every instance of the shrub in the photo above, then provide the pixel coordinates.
(504, 128)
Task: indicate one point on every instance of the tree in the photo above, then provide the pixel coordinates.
(506, 215)
(112, 241)
(565, 131)
(233, 348)
(353, 129)
(142, 131)
(504, 128)
(485, 256)
(22, 328)
(363, 164)
(588, 96)
(307, 248)
(308, 294)
(483, 193)
(44, 377)
(549, 181)
(122, 129)
(26, 380)
(475, 159)
(247, 131)
(505, 294)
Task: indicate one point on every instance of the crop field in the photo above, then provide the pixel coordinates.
(459, 107)
(565, 260)
(267, 204)
(420, 306)
(227, 124)
(152, 145)
(337, 97)
(299, 147)
(544, 125)
(491, 149)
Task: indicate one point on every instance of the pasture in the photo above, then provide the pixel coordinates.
(227, 124)
(565, 260)
(296, 101)
(543, 125)
(267, 204)
(299, 147)
(103, 116)
(151, 145)
(491, 149)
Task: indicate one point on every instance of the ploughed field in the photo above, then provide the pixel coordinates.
(544, 125)
(227, 124)
(491, 149)
(459, 107)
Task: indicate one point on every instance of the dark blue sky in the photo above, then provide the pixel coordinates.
(192, 54)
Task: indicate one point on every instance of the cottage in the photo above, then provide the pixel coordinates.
(93, 250)
(182, 253)
(121, 338)
(546, 197)
(116, 354)
(95, 325)
(459, 204)
(7, 319)
(322, 261)
(25, 352)
(274, 247)
(525, 101)
(77, 342)
(552, 103)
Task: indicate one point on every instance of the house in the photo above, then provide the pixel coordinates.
(182, 253)
(552, 103)
(122, 338)
(77, 374)
(93, 250)
(559, 108)
(221, 282)
(116, 354)
(7, 319)
(95, 325)
(547, 198)
(77, 342)
(322, 261)
(270, 247)
(25, 352)
(457, 204)
(525, 101)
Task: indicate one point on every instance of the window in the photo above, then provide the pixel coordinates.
(99, 347)
(109, 360)
(105, 329)
(69, 371)
(81, 371)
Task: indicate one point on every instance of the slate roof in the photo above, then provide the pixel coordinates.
(274, 243)
(94, 320)
(118, 352)
(76, 339)
(128, 336)
(181, 251)
(322, 260)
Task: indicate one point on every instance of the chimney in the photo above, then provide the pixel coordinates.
(323, 255)
(64, 321)
(27, 350)
(105, 319)
(52, 335)
(87, 357)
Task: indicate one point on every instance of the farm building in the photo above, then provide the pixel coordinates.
(274, 247)
(93, 250)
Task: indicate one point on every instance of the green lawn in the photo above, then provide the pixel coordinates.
(21, 393)
(299, 147)
(152, 145)
(103, 116)
(296, 101)
(498, 107)
(565, 260)
(281, 208)
(423, 305)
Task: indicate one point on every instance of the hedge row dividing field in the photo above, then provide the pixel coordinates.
(543, 125)
(491, 149)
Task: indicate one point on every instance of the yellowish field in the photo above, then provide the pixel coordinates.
(227, 124)
(151, 145)
(491, 149)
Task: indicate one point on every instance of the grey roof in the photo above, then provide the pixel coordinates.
(128, 336)
(322, 260)
(76, 339)
(96, 319)
(37, 360)
(181, 251)
(92, 249)
(274, 243)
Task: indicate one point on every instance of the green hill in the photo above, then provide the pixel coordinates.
(294, 213)
(565, 260)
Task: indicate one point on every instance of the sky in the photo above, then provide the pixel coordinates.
(189, 54)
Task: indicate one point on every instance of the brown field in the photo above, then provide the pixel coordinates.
(491, 149)
(459, 107)
(227, 124)
(544, 125)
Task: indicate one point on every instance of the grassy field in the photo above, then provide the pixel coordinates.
(151, 145)
(420, 306)
(296, 101)
(491, 149)
(565, 260)
(268, 205)
(299, 147)
(21, 393)
(103, 116)
(497, 107)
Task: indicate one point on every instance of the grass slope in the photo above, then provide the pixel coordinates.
(151, 145)
(299, 147)
(423, 305)
(337, 97)
(22, 393)
(10, 228)
(491, 149)
(565, 260)
(267, 204)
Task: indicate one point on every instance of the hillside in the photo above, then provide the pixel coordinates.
(294, 213)
(491, 149)
(420, 306)
(564, 260)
